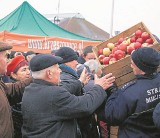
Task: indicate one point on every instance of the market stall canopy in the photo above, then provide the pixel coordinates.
(26, 20)
(27, 28)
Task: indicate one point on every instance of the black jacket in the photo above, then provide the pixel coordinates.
(87, 125)
(49, 111)
(156, 116)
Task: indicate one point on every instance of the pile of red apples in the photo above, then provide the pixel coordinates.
(125, 46)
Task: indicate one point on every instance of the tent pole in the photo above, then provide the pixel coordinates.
(112, 18)
(58, 8)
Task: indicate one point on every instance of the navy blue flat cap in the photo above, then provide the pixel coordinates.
(43, 61)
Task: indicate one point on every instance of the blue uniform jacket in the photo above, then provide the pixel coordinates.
(131, 108)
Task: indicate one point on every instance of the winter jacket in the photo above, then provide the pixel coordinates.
(131, 108)
(156, 116)
(68, 77)
(16, 116)
(49, 111)
(87, 125)
(10, 94)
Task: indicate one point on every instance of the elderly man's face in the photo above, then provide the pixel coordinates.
(72, 64)
(3, 62)
(55, 74)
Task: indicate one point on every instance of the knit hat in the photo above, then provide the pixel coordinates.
(67, 54)
(15, 64)
(147, 59)
(43, 61)
(4, 46)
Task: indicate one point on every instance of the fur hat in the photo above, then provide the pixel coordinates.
(147, 59)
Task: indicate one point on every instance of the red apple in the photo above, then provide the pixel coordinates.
(138, 33)
(145, 36)
(110, 46)
(137, 45)
(119, 54)
(149, 41)
(100, 51)
(116, 44)
(111, 55)
(114, 49)
(106, 51)
(120, 40)
(106, 60)
(133, 39)
(112, 60)
(130, 48)
(140, 40)
(101, 57)
(122, 47)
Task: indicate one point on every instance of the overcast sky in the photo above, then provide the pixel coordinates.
(126, 12)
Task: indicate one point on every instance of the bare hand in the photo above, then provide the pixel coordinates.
(105, 82)
(85, 77)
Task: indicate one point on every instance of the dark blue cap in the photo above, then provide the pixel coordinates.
(42, 61)
(67, 53)
(147, 59)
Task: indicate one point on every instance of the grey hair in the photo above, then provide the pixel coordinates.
(93, 65)
(40, 74)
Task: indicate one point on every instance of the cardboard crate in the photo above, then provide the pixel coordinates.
(121, 69)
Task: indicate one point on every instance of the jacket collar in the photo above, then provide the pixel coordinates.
(150, 76)
(68, 69)
(43, 82)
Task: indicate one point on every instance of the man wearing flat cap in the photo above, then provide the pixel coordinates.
(68, 76)
(10, 93)
(131, 107)
(49, 110)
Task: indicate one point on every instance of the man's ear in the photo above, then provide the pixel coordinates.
(49, 74)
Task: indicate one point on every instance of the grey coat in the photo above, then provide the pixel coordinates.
(49, 110)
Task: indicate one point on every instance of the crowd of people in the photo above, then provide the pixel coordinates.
(65, 94)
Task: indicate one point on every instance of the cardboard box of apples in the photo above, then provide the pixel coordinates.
(114, 54)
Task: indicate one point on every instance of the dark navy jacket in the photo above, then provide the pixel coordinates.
(49, 110)
(131, 108)
(86, 125)
(156, 116)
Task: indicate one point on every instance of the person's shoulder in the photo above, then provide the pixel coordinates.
(128, 85)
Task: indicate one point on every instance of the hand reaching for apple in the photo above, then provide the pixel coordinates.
(85, 77)
(105, 82)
